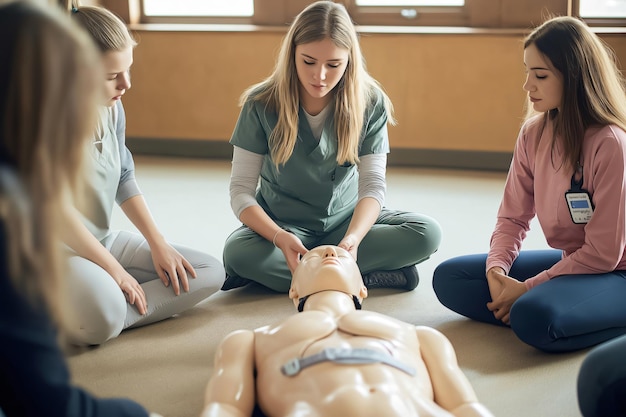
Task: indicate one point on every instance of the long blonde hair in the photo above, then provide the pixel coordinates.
(49, 85)
(593, 87)
(107, 30)
(354, 92)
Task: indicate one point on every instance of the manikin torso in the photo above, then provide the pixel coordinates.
(329, 389)
(285, 369)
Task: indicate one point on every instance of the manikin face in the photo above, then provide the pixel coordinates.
(320, 66)
(327, 268)
(117, 72)
(544, 83)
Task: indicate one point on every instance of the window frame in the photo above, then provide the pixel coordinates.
(597, 21)
(425, 15)
(503, 14)
(267, 13)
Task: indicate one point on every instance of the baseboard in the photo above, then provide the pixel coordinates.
(186, 148)
(450, 159)
(431, 158)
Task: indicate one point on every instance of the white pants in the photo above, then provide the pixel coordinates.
(97, 309)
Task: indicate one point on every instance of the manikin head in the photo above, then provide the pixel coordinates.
(327, 268)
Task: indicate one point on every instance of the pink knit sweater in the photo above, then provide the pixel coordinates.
(536, 185)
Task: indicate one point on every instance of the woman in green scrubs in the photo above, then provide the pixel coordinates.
(309, 161)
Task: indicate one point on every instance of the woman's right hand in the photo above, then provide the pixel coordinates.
(79, 238)
(292, 248)
(132, 290)
(495, 285)
(505, 291)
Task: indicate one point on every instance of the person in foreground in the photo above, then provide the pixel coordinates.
(568, 169)
(43, 133)
(602, 380)
(315, 134)
(333, 359)
(112, 270)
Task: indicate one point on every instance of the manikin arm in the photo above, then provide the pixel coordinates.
(230, 391)
(451, 388)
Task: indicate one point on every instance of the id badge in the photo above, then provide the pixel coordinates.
(579, 205)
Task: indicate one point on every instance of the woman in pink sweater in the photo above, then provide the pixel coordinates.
(568, 169)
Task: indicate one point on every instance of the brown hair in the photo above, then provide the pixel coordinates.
(593, 86)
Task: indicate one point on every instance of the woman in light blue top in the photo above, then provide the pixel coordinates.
(120, 279)
(315, 134)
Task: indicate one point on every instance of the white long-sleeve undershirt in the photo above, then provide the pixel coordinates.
(246, 169)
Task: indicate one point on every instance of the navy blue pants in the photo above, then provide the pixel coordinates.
(567, 313)
(602, 380)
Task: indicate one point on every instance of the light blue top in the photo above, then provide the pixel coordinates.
(112, 171)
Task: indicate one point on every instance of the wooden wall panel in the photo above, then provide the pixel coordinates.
(451, 92)
(187, 84)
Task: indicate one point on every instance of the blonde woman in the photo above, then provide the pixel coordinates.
(121, 279)
(49, 86)
(315, 134)
(568, 169)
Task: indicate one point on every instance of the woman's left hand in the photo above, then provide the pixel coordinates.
(171, 267)
(506, 291)
(350, 243)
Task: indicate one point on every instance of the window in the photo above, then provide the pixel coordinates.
(219, 8)
(462, 13)
(603, 12)
(198, 8)
(196, 11)
(602, 8)
(409, 12)
(281, 12)
(410, 3)
(258, 12)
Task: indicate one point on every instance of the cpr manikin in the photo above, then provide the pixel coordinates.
(333, 359)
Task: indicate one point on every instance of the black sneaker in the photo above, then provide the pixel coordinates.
(404, 278)
(234, 282)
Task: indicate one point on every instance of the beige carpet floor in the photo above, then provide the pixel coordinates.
(165, 366)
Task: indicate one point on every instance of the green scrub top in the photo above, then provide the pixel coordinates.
(311, 190)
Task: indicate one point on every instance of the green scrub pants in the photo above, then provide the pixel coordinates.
(396, 240)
